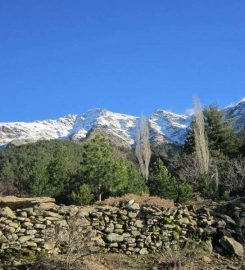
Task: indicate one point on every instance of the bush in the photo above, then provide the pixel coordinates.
(83, 196)
(208, 187)
(162, 184)
(184, 191)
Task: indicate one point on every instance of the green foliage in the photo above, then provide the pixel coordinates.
(42, 168)
(184, 191)
(221, 137)
(58, 168)
(175, 235)
(208, 187)
(162, 184)
(100, 169)
(83, 196)
(136, 183)
(220, 134)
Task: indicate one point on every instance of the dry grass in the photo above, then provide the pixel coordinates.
(143, 199)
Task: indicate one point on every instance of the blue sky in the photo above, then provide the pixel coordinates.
(132, 56)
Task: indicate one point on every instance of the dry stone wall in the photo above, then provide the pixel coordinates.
(130, 228)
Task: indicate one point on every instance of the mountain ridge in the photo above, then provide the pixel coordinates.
(164, 126)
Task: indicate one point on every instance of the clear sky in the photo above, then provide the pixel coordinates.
(130, 56)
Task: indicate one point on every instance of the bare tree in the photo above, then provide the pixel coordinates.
(201, 142)
(235, 177)
(143, 148)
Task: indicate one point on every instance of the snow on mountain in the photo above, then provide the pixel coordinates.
(168, 127)
(69, 127)
(164, 126)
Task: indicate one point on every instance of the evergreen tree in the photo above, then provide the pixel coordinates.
(220, 134)
(221, 137)
(101, 170)
(162, 184)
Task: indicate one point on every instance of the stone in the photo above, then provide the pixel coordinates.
(27, 224)
(139, 223)
(131, 202)
(61, 223)
(143, 251)
(206, 259)
(14, 225)
(52, 214)
(132, 214)
(7, 212)
(15, 202)
(184, 220)
(23, 214)
(49, 245)
(114, 237)
(109, 228)
(31, 232)
(232, 246)
(46, 206)
(134, 207)
(30, 244)
(3, 239)
(118, 226)
(40, 226)
(24, 238)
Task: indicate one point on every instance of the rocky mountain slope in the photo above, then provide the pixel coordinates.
(164, 126)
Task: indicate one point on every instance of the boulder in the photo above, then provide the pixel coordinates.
(231, 246)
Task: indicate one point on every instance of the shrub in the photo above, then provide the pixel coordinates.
(83, 196)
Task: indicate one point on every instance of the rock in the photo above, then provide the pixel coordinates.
(17, 203)
(139, 223)
(30, 244)
(49, 245)
(184, 220)
(132, 214)
(40, 226)
(131, 202)
(46, 206)
(24, 239)
(134, 206)
(14, 225)
(226, 218)
(52, 214)
(114, 237)
(7, 212)
(210, 231)
(3, 239)
(232, 246)
(143, 251)
(27, 224)
(206, 259)
(118, 226)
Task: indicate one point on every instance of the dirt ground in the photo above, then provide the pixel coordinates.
(162, 262)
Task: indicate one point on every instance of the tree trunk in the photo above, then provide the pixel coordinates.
(100, 193)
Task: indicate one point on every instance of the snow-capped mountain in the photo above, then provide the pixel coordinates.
(164, 126)
(70, 127)
(168, 126)
(236, 113)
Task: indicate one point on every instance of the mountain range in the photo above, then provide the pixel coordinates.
(164, 126)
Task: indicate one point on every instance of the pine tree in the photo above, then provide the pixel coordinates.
(101, 170)
(221, 137)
